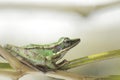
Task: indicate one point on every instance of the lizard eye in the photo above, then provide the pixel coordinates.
(67, 42)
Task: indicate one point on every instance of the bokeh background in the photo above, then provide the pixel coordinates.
(44, 21)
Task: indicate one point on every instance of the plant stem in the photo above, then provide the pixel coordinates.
(90, 59)
(111, 77)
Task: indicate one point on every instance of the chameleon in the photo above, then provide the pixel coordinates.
(43, 57)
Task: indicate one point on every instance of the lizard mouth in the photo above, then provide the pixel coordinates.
(73, 42)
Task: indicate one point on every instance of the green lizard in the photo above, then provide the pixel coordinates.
(43, 57)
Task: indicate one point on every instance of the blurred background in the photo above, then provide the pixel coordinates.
(96, 23)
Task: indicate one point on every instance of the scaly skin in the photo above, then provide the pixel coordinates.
(43, 57)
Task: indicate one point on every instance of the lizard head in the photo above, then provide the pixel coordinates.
(64, 44)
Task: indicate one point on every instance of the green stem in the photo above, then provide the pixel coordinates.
(5, 66)
(110, 77)
(90, 58)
